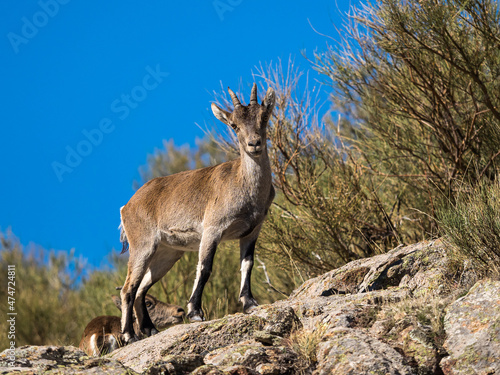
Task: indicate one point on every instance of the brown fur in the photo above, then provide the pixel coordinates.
(102, 335)
(195, 211)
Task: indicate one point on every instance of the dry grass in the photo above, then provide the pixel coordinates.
(305, 342)
(427, 310)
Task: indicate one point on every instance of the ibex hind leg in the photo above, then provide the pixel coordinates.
(162, 261)
(137, 266)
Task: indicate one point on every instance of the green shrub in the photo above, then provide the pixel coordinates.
(46, 298)
(472, 225)
(416, 85)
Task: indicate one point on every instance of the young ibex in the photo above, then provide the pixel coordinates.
(103, 334)
(195, 211)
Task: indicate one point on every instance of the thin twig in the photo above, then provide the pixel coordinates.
(268, 281)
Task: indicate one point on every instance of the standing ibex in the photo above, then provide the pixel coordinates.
(195, 211)
(103, 334)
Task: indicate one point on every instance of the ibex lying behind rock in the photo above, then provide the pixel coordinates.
(103, 334)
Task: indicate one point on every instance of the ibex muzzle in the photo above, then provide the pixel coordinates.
(255, 145)
(195, 211)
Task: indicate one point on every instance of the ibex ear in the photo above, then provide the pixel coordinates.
(268, 102)
(118, 302)
(221, 114)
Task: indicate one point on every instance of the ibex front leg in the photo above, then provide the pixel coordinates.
(247, 250)
(208, 247)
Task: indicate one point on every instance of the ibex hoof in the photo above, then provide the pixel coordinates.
(195, 317)
(147, 332)
(249, 306)
(130, 339)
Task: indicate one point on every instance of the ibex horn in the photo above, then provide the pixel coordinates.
(236, 101)
(253, 95)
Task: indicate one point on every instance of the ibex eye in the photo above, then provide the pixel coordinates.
(234, 126)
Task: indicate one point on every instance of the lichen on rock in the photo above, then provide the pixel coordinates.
(472, 325)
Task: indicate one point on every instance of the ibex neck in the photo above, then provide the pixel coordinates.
(256, 173)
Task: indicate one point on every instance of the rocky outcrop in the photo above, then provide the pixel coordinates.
(472, 325)
(417, 268)
(352, 352)
(58, 360)
(379, 315)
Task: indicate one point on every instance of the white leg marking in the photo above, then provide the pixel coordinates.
(145, 281)
(112, 343)
(198, 275)
(245, 268)
(93, 344)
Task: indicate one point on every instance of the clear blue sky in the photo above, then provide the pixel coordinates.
(85, 97)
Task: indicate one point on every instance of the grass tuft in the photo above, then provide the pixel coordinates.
(305, 343)
(472, 227)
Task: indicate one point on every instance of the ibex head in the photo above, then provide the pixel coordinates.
(162, 314)
(249, 122)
